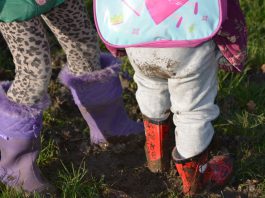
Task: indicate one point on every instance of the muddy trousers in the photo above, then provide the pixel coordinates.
(183, 81)
(30, 49)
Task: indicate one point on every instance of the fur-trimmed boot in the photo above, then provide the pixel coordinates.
(99, 98)
(201, 173)
(20, 127)
(157, 143)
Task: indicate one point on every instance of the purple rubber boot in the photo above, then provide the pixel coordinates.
(20, 128)
(99, 98)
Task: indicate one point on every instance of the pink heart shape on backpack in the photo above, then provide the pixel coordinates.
(161, 9)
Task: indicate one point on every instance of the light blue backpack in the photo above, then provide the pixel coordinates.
(158, 23)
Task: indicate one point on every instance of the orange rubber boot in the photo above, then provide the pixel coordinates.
(157, 144)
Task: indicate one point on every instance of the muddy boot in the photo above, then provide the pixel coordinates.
(157, 148)
(199, 173)
(99, 98)
(20, 127)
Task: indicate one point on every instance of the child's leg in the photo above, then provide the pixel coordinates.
(193, 91)
(154, 101)
(21, 106)
(71, 25)
(152, 96)
(31, 54)
(93, 80)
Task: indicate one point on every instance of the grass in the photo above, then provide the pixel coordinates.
(73, 184)
(242, 105)
(254, 11)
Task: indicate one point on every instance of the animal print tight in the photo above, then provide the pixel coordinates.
(29, 46)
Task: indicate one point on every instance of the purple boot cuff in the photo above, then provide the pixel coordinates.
(110, 68)
(18, 120)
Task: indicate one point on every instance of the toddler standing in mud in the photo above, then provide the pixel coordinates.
(183, 81)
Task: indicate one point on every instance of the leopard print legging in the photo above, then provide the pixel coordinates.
(29, 46)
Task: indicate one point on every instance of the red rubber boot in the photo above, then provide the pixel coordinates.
(157, 144)
(199, 173)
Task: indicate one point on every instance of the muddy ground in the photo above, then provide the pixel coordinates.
(122, 165)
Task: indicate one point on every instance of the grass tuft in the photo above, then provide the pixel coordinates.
(73, 182)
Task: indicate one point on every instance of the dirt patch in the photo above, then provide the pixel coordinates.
(122, 164)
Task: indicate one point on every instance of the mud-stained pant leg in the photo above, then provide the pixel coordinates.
(71, 25)
(152, 92)
(192, 92)
(153, 97)
(31, 54)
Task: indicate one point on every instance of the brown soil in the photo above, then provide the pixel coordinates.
(122, 165)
